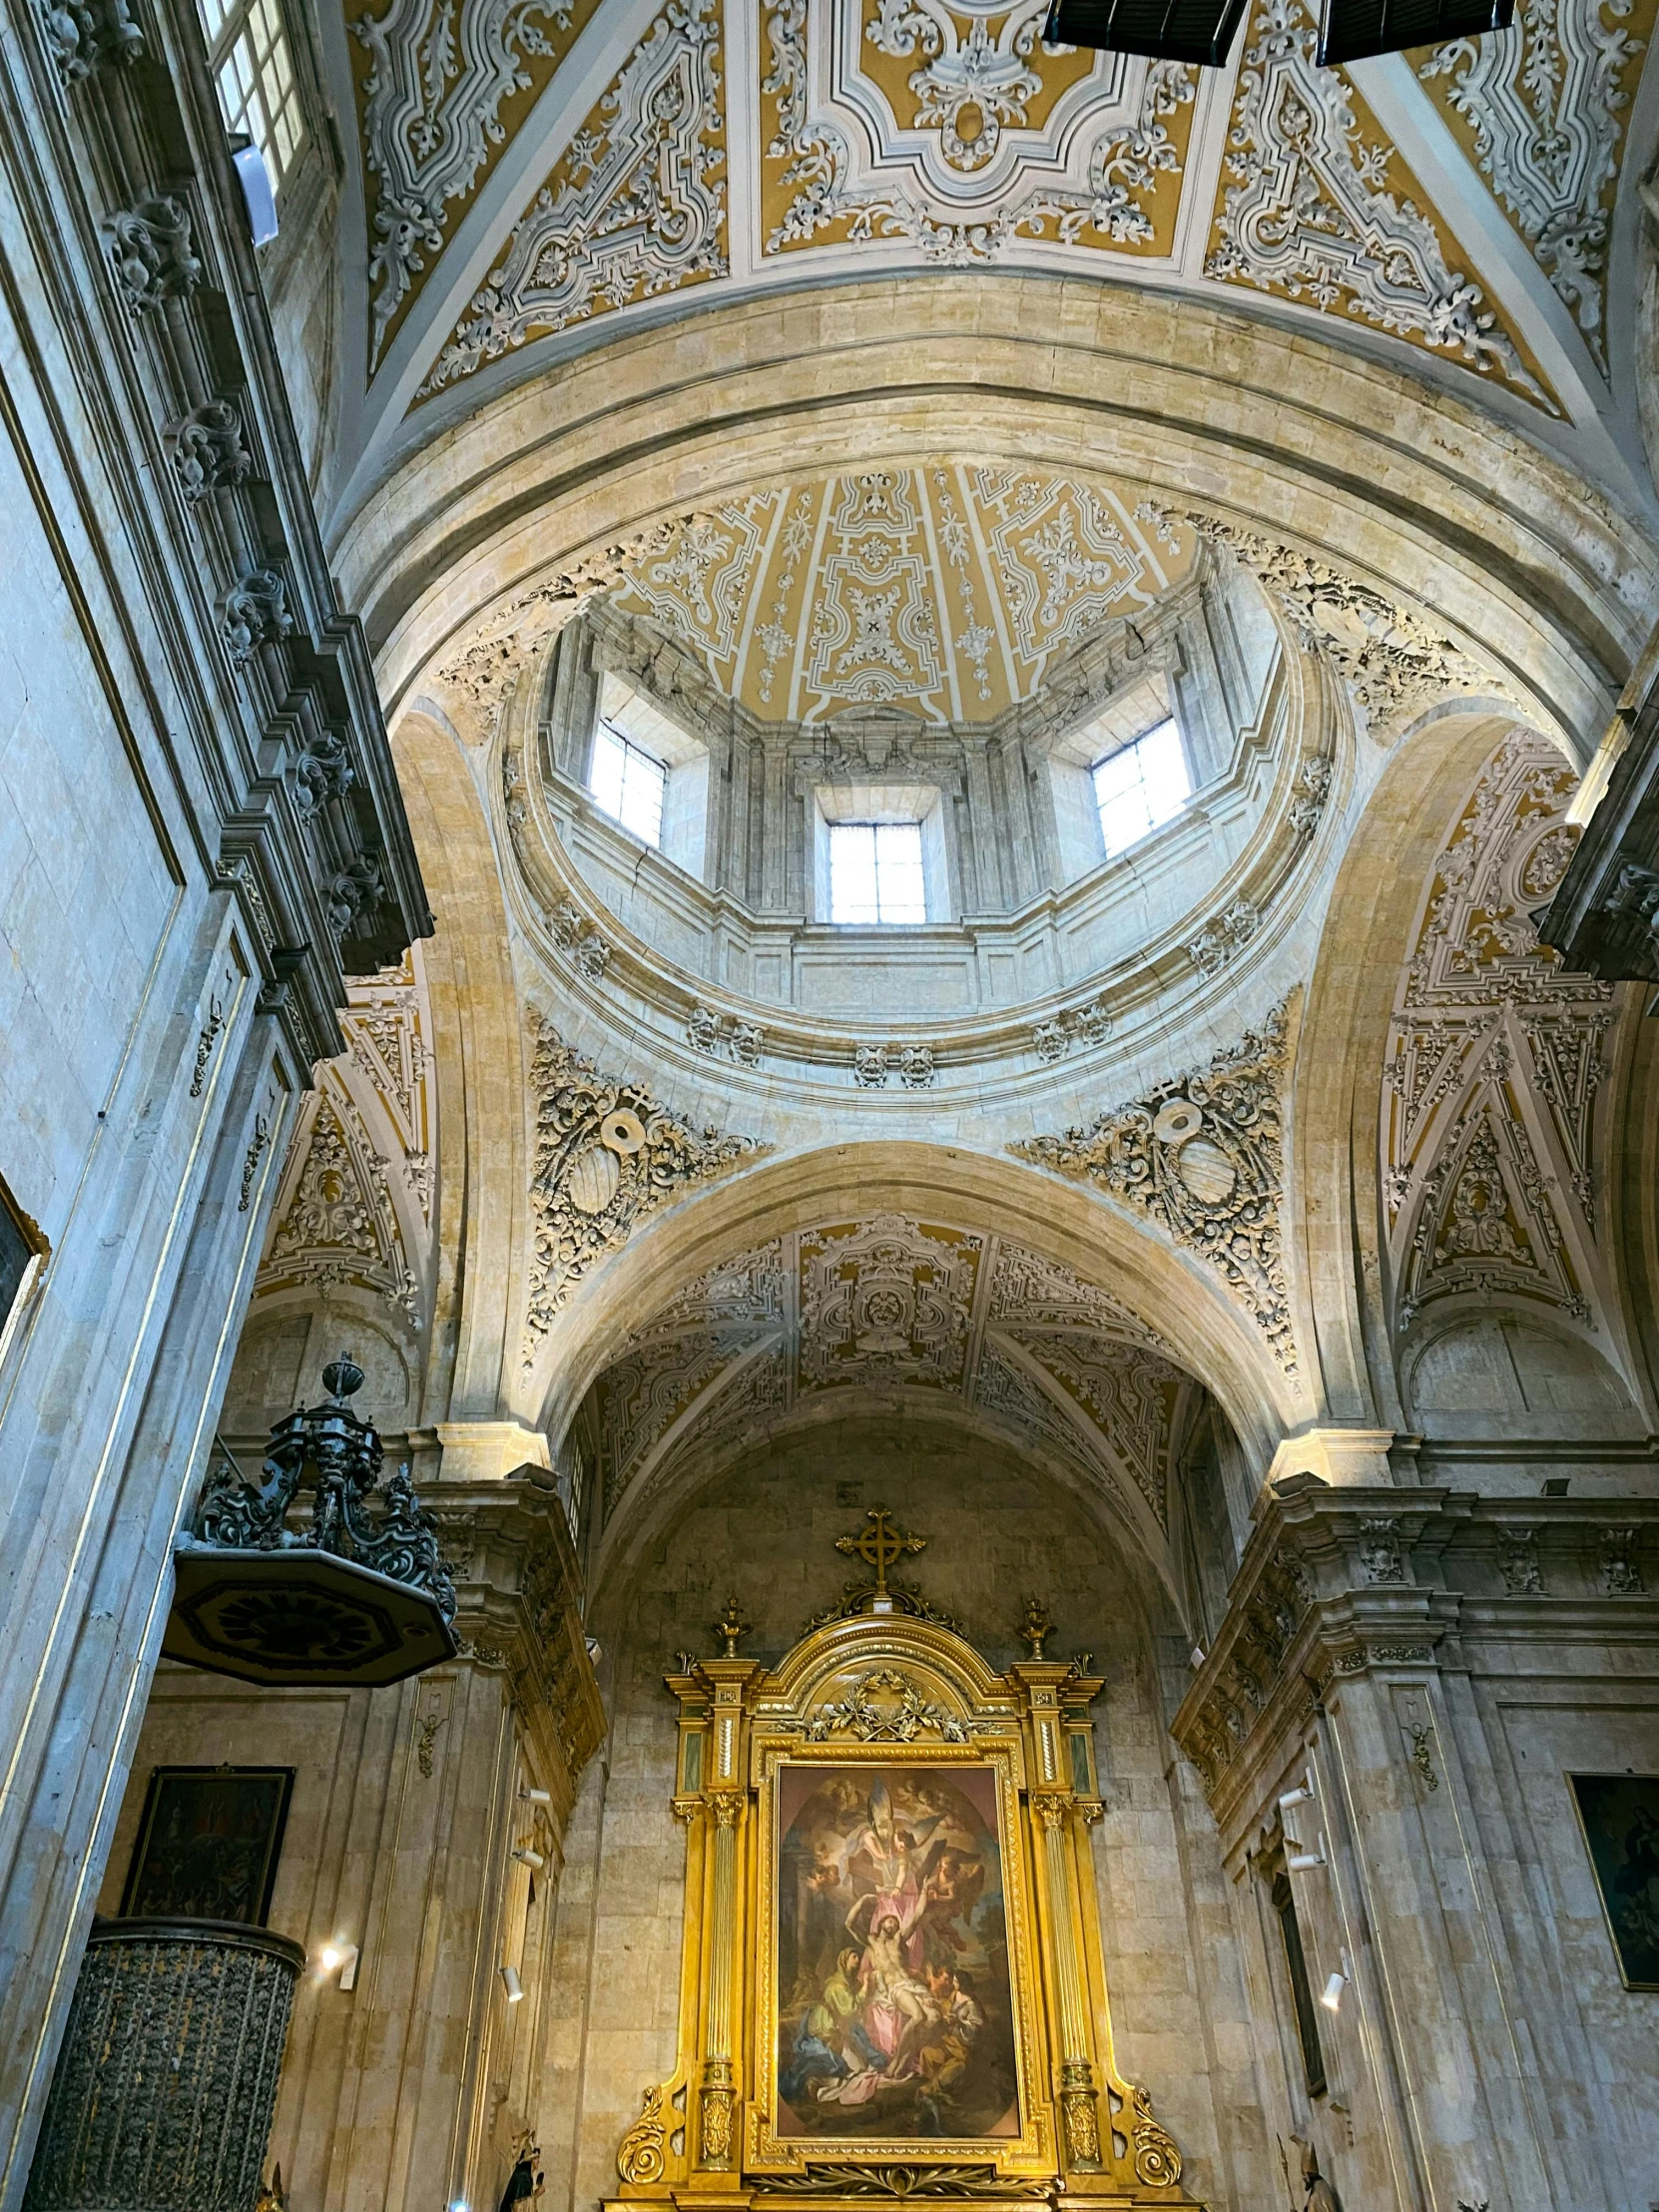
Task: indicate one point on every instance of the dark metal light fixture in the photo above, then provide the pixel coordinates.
(1197, 31)
(1200, 32)
(1349, 30)
(357, 1593)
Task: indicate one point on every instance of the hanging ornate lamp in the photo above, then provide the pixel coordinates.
(355, 1593)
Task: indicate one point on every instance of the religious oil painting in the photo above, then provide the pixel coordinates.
(895, 2013)
(208, 1843)
(1619, 1814)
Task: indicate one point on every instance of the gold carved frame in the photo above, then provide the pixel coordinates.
(885, 1683)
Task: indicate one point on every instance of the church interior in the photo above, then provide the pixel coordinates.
(828, 1105)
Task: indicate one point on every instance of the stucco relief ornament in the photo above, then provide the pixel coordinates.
(151, 254)
(1009, 1394)
(340, 1224)
(1308, 216)
(438, 77)
(911, 1063)
(1090, 1023)
(84, 35)
(607, 1153)
(1394, 664)
(1496, 1063)
(720, 1035)
(972, 85)
(640, 209)
(1217, 942)
(208, 451)
(1546, 107)
(1201, 1154)
(254, 613)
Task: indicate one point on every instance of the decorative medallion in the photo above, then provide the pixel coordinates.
(606, 1153)
(1201, 1155)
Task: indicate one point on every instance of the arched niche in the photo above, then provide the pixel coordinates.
(286, 1343)
(1511, 1374)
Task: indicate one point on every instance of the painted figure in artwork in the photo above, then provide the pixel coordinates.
(902, 2026)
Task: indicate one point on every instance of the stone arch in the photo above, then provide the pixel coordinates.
(1337, 1083)
(550, 472)
(482, 1218)
(1204, 1332)
(1367, 1252)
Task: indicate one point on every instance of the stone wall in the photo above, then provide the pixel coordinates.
(196, 812)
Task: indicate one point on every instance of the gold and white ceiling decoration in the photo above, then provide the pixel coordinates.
(946, 589)
(529, 169)
(931, 1313)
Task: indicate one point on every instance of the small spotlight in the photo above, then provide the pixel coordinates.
(341, 1957)
(536, 1796)
(1303, 1793)
(528, 1857)
(1331, 1996)
(1195, 1658)
(512, 1985)
(1305, 1862)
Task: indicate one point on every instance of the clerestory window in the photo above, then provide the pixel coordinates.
(876, 873)
(248, 53)
(629, 783)
(1140, 785)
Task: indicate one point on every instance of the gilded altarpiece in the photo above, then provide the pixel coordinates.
(891, 1980)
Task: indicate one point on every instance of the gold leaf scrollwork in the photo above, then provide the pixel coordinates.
(717, 2125)
(1157, 2161)
(884, 1707)
(1082, 2122)
(640, 2157)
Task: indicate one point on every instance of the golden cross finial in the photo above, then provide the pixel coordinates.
(1037, 1627)
(880, 1546)
(732, 1625)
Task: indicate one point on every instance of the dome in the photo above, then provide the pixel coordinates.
(953, 761)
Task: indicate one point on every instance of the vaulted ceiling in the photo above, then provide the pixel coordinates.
(532, 175)
(930, 1315)
(946, 589)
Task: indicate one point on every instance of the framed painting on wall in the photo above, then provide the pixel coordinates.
(898, 1967)
(208, 1843)
(1619, 1817)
